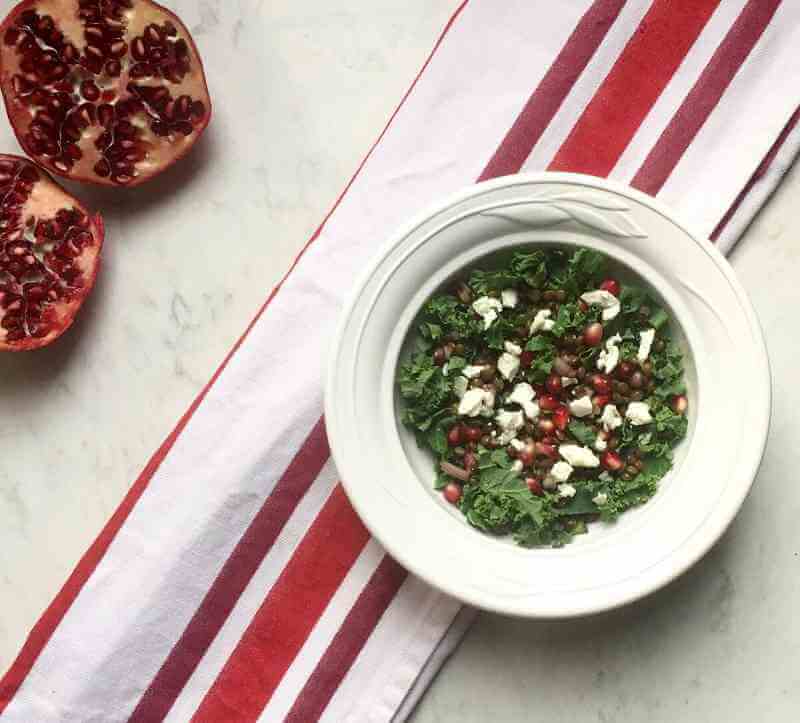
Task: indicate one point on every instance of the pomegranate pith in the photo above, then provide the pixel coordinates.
(49, 256)
(106, 91)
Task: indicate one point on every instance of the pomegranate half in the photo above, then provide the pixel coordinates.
(49, 256)
(104, 91)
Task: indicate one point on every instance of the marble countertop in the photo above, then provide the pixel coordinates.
(302, 88)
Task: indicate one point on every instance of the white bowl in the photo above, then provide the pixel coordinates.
(389, 480)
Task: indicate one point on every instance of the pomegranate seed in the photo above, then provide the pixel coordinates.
(184, 127)
(535, 486)
(70, 54)
(102, 168)
(526, 359)
(593, 334)
(601, 384)
(473, 434)
(36, 317)
(680, 404)
(526, 456)
(544, 449)
(611, 461)
(611, 286)
(452, 493)
(583, 306)
(625, 369)
(94, 54)
(118, 48)
(601, 400)
(114, 68)
(455, 436)
(561, 418)
(546, 426)
(548, 402)
(553, 384)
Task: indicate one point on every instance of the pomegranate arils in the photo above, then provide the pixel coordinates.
(553, 384)
(561, 418)
(601, 384)
(452, 493)
(548, 402)
(625, 369)
(47, 263)
(455, 436)
(680, 404)
(593, 334)
(134, 75)
(535, 486)
(611, 461)
(544, 449)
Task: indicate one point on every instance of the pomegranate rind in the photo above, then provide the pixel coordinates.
(153, 153)
(58, 316)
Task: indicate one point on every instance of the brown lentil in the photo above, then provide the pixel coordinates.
(488, 372)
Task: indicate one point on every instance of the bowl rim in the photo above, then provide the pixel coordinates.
(715, 528)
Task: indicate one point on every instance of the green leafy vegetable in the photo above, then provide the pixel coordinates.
(446, 315)
(582, 432)
(425, 390)
(496, 499)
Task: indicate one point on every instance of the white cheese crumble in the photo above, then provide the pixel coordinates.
(600, 444)
(460, 385)
(510, 423)
(513, 348)
(609, 357)
(445, 368)
(473, 402)
(508, 365)
(517, 444)
(611, 418)
(581, 407)
(517, 467)
(488, 403)
(578, 456)
(600, 499)
(645, 344)
(509, 297)
(638, 413)
(605, 300)
(488, 309)
(561, 471)
(523, 395)
(565, 491)
(470, 372)
(542, 321)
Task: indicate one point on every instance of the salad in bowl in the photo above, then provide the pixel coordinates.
(549, 391)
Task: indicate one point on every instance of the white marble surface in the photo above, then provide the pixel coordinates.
(302, 87)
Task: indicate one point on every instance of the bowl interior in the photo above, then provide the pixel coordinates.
(389, 480)
(423, 462)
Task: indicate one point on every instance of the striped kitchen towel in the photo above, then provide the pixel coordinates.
(265, 598)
